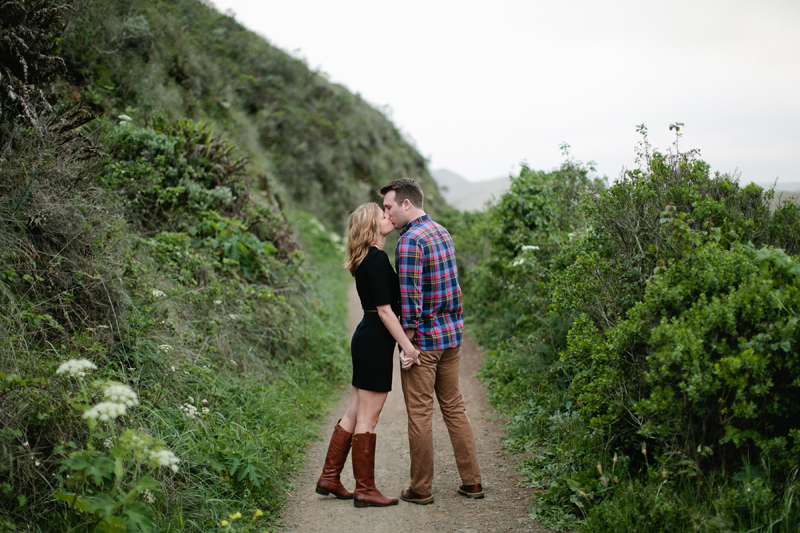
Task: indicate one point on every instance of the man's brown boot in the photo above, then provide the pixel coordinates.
(329, 482)
(366, 494)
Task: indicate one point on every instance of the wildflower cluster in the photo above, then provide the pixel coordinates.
(119, 393)
(238, 515)
(166, 458)
(191, 411)
(76, 367)
(105, 411)
(157, 293)
(138, 443)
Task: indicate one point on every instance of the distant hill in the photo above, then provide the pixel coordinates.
(789, 190)
(467, 195)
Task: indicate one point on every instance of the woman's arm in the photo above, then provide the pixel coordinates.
(389, 320)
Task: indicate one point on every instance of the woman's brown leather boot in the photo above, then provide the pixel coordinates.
(329, 482)
(363, 458)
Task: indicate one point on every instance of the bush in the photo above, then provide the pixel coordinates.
(213, 327)
(660, 329)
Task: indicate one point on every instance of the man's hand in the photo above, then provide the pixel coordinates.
(410, 358)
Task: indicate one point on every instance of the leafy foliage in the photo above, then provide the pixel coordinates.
(660, 330)
(30, 41)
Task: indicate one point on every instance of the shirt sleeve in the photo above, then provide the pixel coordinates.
(409, 267)
(379, 280)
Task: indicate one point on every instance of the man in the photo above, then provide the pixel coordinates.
(431, 317)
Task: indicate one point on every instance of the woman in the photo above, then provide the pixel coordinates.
(372, 350)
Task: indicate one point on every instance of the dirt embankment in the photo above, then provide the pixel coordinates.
(505, 507)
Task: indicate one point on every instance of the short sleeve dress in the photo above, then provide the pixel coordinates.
(372, 347)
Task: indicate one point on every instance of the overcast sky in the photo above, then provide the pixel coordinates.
(483, 86)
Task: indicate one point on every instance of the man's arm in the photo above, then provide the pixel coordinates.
(409, 269)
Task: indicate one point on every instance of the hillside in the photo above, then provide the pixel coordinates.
(466, 195)
(310, 140)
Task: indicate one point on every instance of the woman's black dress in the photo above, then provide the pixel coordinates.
(372, 347)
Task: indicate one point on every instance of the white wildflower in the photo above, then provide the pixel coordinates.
(166, 348)
(518, 262)
(148, 496)
(157, 293)
(189, 410)
(166, 458)
(233, 317)
(76, 367)
(37, 463)
(105, 411)
(108, 443)
(191, 399)
(205, 410)
(119, 393)
(217, 302)
(529, 248)
(204, 401)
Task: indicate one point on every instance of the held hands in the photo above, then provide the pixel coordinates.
(409, 358)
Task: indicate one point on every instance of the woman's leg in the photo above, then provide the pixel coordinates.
(369, 406)
(350, 417)
(338, 449)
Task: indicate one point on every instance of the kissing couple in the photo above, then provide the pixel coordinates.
(425, 294)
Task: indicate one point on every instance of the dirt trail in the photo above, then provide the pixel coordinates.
(505, 507)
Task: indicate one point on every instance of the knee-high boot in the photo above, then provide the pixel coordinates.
(329, 482)
(364, 471)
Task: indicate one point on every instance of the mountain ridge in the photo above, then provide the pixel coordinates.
(467, 195)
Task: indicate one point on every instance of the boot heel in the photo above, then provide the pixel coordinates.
(359, 504)
(322, 491)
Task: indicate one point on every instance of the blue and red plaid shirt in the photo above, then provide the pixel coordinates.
(430, 296)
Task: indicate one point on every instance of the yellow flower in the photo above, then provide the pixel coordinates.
(257, 514)
(223, 523)
(235, 516)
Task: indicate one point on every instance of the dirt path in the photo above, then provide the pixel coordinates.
(505, 507)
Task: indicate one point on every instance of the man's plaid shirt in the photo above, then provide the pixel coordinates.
(429, 291)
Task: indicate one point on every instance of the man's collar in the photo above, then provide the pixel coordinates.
(418, 220)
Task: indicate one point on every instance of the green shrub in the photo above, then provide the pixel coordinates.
(662, 323)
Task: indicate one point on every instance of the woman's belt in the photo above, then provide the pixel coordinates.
(370, 310)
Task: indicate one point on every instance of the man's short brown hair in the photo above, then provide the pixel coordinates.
(406, 189)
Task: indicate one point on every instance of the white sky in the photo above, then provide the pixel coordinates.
(483, 86)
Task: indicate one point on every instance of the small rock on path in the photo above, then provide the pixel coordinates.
(505, 507)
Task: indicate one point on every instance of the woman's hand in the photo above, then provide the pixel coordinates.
(408, 358)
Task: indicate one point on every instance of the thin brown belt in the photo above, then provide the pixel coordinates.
(370, 310)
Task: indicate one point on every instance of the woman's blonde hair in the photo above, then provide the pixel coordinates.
(364, 226)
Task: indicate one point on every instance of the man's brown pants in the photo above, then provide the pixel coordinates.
(438, 372)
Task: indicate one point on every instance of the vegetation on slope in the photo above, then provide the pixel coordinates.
(309, 139)
(166, 348)
(643, 337)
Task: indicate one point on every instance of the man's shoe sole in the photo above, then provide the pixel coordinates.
(421, 501)
(473, 495)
